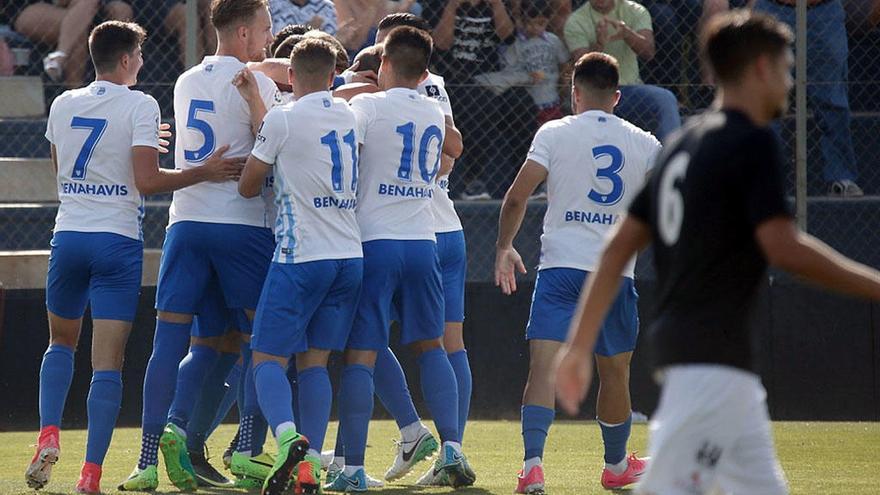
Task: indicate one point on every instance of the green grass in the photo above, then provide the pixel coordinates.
(818, 458)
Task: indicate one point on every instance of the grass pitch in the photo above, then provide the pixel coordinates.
(818, 458)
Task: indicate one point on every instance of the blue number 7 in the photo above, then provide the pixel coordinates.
(96, 126)
(331, 140)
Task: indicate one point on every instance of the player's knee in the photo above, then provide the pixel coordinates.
(169, 317)
(423, 346)
(614, 369)
(360, 357)
(64, 339)
(212, 342)
(230, 342)
(453, 338)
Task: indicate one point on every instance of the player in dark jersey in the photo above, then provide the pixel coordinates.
(716, 212)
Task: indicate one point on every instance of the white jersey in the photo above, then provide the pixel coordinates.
(209, 112)
(93, 130)
(313, 146)
(402, 135)
(445, 217)
(596, 164)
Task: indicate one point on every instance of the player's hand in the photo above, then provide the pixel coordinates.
(246, 84)
(164, 135)
(574, 372)
(219, 169)
(507, 263)
(363, 76)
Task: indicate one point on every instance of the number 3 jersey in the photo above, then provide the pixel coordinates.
(596, 164)
(93, 130)
(312, 143)
(209, 113)
(402, 134)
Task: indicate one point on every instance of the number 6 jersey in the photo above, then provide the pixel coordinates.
(596, 164)
(93, 130)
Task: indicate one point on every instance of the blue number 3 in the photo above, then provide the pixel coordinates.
(611, 173)
(194, 122)
(96, 128)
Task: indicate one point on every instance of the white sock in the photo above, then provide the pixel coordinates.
(455, 446)
(351, 470)
(246, 453)
(618, 468)
(314, 452)
(412, 432)
(338, 462)
(530, 463)
(285, 426)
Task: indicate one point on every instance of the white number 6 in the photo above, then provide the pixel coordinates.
(671, 214)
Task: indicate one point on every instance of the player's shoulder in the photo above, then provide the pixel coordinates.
(433, 80)
(558, 125)
(368, 98)
(637, 132)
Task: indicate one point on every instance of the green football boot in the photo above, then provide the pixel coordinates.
(292, 449)
(141, 480)
(180, 471)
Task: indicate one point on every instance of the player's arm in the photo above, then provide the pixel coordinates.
(444, 31)
(152, 179)
(249, 89)
(513, 209)
(54, 154)
(575, 366)
(453, 144)
(349, 91)
(274, 68)
(799, 253)
(252, 177)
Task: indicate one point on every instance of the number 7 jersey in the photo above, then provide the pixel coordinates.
(402, 134)
(597, 163)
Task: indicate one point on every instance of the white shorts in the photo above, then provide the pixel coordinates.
(711, 435)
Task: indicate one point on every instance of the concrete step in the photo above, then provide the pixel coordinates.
(27, 269)
(21, 96)
(27, 180)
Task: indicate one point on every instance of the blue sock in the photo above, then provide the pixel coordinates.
(208, 405)
(314, 383)
(56, 372)
(440, 392)
(392, 390)
(339, 448)
(252, 427)
(170, 343)
(355, 410)
(462, 368)
(191, 375)
(273, 393)
(105, 397)
(294, 388)
(615, 438)
(233, 387)
(536, 421)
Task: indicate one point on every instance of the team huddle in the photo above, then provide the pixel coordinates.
(365, 234)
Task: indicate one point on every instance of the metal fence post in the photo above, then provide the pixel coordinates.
(801, 114)
(192, 32)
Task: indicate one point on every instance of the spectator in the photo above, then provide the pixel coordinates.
(622, 28)
(533, 61)
(169, 16)
(358, 19)
(65, 25)
(469, 36)
(827, 73)
(320, 14)
(283, 34)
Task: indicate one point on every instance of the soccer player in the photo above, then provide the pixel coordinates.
(213, 232)
(594, 163)
(402, 134)
(311, 292)
(104, 144)
(716, 211)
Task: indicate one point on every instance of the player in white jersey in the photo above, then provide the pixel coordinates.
(594, 164)
(213, 233)
(312, 289)
(105, 142)
(402, 134)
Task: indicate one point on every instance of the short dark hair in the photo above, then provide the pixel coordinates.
(109, 40)
(283, 50)
(313, 58)
(536, 8)
(342, 61)
(286, 31)
(730, 42)
(228, 13)
(409, 50)
(370, 58)
(597, 72)
(403, 19)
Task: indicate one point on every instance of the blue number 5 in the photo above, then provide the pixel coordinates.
(96, 126)
(194, 122)
(611, 173)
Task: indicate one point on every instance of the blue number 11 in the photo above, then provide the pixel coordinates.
(96, 126)
(331, 140)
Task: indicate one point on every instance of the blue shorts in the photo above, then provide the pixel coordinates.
(453, 272)
(307, 305)
(553, 305)
(97, 267)
(213, 318)
(194, 253)
(406, 275)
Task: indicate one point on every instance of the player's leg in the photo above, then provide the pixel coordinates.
(614, 346)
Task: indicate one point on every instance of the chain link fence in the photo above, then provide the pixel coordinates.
(506, 66)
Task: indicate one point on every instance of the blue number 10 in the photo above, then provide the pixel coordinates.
(96, 126)
(406, 156)
(331, 140)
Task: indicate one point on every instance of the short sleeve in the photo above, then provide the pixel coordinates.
(145, 123)
(541, 147)
(437, 91)
(653, 148)
(641, 19)
(50, 134)
(270, 137)
(640, 208)
(764, 190)
(364, 113)
(268, 91)
(579, 32)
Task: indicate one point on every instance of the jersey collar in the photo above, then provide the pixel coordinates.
(402, 91)
(315, 96)
(222, 58)
(107, 86)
